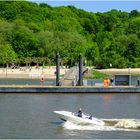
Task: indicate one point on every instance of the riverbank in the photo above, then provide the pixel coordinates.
(77, 89)
(49, 72)
(32, 72)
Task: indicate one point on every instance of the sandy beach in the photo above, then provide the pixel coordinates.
(32, 72)
(49, 72)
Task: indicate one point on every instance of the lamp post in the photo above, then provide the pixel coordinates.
(6, 65)
(6, 71)
(42, 67)
(129, 76)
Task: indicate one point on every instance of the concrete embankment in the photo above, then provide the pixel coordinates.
(54, 89)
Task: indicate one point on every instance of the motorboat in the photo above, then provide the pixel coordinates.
(84, 120)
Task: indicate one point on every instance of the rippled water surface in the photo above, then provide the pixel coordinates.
(31, 115)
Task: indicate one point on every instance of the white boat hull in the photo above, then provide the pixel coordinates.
(69, 116)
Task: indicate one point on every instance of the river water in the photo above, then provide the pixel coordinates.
(31, 115)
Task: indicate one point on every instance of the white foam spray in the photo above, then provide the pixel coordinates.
(120, 125)
(127, 123)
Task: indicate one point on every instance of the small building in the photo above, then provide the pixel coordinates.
(126, 80)
(124, 77)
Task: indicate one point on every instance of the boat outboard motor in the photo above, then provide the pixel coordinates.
(80, 113)
(90, 117)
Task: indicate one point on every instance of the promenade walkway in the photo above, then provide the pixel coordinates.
(25, 72)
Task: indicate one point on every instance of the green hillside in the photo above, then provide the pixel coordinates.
(33, 33)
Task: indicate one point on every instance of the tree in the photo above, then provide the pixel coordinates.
(24, 42)
(134, 26)
(7, 54)
(134, 13)
(39, 31)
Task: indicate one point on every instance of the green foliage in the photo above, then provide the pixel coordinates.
(93, 74)
(24, 42)
(7, 54)
(32, 33)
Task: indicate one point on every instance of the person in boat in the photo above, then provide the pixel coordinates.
(90, 117)
(79, 112)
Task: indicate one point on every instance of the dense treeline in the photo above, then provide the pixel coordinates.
(32, 33)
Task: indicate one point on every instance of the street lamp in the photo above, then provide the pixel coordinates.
(6, 65)
(6, 71)
(129, 76)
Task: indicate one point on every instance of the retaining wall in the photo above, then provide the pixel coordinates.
(54, 89)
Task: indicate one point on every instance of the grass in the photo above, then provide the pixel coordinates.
(62, 75)
(94, 74)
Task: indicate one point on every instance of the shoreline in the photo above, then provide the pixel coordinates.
(49, 72)
(33, 72)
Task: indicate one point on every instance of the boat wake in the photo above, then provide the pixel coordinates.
(110, 125)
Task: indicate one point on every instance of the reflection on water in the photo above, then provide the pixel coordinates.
(106, 98)
(31, 115)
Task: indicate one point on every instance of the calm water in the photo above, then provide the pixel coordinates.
(31, 115)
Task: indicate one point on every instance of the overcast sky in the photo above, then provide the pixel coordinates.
(96, 6)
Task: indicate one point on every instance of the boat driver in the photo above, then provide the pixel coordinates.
(79, 112)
